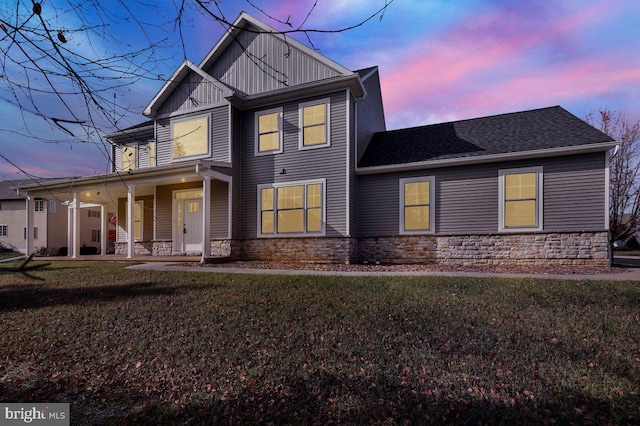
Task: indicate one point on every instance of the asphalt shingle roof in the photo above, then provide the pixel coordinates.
(6, 193)
(545, 128)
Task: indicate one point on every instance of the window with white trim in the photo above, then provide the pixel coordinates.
(39, 206)
(417, 210)
(95, 235)
(4, 231)
(292, 208)
(268, 131)
(520, 197)
(52, 206)
(190, 138)
(128, 160)
(94, 213)
(314, 124)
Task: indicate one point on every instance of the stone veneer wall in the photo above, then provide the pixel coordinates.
(330, 250)
(142, 248)
(573, 248)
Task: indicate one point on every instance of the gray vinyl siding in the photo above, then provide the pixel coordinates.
(256, 63)
(466, 198)
(193, 92)
(219, 120)
(370, 113)
(147, 218)
(353, 188)
(236, 160)
(219, 210)
(321, 163)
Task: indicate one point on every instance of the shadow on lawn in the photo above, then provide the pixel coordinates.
(34, 296)
(339, 400)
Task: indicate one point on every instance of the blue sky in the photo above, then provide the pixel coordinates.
(438, 60)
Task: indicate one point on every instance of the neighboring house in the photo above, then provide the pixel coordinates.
(49, 219)
(268, 150)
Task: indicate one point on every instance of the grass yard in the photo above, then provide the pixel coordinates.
(133, 347)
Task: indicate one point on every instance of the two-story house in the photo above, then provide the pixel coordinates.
(268, 150)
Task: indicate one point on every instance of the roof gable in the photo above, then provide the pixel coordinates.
(189, 87)
(535, 130)
(254, 58)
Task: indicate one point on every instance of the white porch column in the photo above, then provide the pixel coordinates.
(131, 239)
(69, 231)
(29, 226)
(206, 218)
(103, 231)
(76, 226)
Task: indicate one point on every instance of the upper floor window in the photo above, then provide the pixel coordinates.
(190, 137)
(269, 131)
(417, 205)
(94, 213)
(39, 205)
(314, 124)
(128, 158)
(520, 194)
(52, 206)
(152, 154)
(291, 208)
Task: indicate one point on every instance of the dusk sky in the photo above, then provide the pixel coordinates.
(439, 61)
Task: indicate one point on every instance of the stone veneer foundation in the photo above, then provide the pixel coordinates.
(573, 248)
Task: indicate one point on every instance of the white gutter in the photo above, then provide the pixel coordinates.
(493, 158)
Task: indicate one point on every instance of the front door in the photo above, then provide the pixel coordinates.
(188, 225)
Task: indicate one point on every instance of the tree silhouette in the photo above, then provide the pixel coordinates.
(71, 63)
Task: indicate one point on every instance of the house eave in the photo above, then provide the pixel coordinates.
(483, 159)
(315, 88)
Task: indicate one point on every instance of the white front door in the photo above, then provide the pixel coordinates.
(188, 225)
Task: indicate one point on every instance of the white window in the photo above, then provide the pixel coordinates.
(190, 138)
(95, 235)
(138, 220)
(520, 197)
(128, 162)
(292, 209)
(314, 124)
(4, 231)
(39, 205)
(268, 131)
(52, 206)
(417, 210)
(94, 213)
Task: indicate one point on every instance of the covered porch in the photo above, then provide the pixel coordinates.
(176, 210)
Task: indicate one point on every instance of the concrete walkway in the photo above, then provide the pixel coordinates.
(630, 274)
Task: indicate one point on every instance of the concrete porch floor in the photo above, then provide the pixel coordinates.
(121, 258)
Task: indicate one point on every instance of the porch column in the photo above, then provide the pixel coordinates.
(131, 239)
(206, 218)
(69, 231)
(103, 230)
(29, 226)
(76, 226)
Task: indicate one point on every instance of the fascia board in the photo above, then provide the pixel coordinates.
(494, 158)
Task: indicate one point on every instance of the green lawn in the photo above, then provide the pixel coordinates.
(137, 347)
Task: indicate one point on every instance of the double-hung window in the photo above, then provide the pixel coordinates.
(268, 131)
(4, 231)
(520, 194)
(39, 206)
(190, 138)
(314, 124)
(292, 208)
(417, 205)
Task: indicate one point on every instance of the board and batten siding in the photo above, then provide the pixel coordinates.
(320, 163)
(219, 121)
(192, 92)
(466, 198)
(258, 63)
